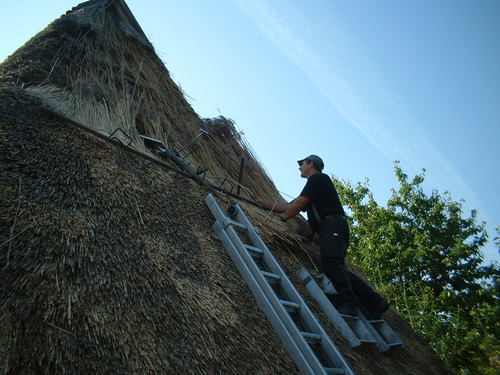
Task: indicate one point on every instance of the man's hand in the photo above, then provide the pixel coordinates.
(297, 205)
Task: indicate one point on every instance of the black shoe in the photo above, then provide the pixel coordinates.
(342, 307)
(376, 312)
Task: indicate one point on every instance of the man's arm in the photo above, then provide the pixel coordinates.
(297, 205)
(275, 207)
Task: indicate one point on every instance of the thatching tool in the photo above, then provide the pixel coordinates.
(166, 152)
(201, 133)
(155, 143)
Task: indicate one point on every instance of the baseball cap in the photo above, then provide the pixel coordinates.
(315, 159)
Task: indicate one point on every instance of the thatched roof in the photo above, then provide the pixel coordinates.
(109, 263)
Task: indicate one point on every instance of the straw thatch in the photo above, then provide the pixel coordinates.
(109, 263)
(109, 80)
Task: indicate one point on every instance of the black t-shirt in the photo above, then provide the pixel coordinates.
(324, 196)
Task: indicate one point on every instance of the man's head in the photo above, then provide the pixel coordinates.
(310, 165)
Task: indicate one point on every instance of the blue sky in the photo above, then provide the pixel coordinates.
(360, 83)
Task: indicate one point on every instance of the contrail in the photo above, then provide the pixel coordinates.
(352, 85)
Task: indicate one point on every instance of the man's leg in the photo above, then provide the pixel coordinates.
(375, 305)
(334, 239)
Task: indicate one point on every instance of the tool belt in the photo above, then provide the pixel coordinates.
(336, 216)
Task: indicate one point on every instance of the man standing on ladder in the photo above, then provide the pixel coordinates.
(326, 216)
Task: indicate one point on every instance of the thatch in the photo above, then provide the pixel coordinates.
(109, 80)
(109, 263)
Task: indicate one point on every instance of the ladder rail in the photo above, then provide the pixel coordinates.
(277, 305)
(292, 293)
(383, 333)
(261, 297)
(324, 303)
(262, 286)
(382, 345)
(379, 330)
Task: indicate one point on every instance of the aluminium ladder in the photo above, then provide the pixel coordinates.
(304, 338)
(356, 330)
(351, 327)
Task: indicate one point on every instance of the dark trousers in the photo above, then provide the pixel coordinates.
(333, 242)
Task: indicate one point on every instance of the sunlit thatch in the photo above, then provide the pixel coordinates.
(110, 80)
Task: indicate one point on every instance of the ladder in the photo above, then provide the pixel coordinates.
(357, 330)
(302, 335)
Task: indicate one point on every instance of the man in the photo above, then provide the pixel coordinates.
(326, 216)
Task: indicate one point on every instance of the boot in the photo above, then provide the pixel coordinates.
(347, 310)
(343, 308)
(375, 310)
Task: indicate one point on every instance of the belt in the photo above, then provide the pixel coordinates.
(336, 216)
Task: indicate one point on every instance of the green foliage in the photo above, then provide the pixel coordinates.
(425, 256)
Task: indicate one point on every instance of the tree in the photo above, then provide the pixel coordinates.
(425, 256)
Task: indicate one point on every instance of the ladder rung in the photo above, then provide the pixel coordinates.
(351, 317)
(368, 341)
(236, 223)
(253, 249)
(398, 343)
(334, 370)
(377, 321)
(290, 306)
(310, 337)
(272, 277)
(303, 336)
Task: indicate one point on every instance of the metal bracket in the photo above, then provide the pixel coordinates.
(201, 171)
(118, 139)
(229, 182)
(201, 133)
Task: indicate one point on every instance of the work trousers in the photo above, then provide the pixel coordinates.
(334, 241)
